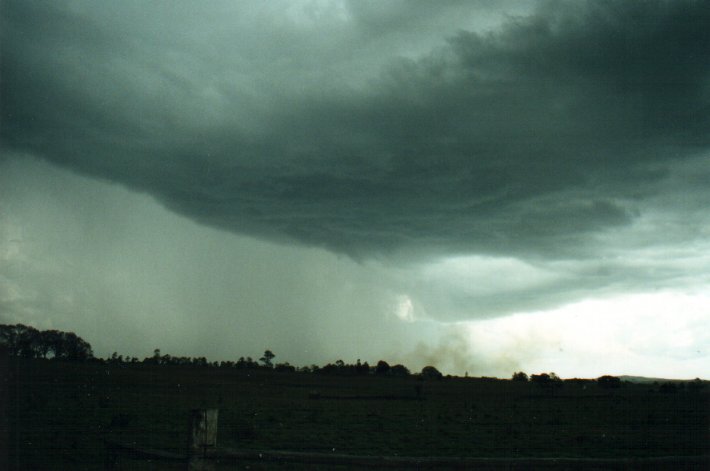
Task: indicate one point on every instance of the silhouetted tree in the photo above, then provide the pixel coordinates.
(330, 369)
(543, 379)
(362, 368)
(246, 363)
(430, 372)
(548, 381)
(399, 370)
(284, 368)
(266, 359)
(21, 340)
(609, 382)
(382, 368)
(44, 343)
(29, 342)
(77, 348)
(520, 376)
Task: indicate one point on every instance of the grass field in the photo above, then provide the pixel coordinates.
(60, 413)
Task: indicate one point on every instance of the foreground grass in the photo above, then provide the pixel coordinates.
(60, 413)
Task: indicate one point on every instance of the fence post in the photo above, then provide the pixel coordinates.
(6, 383)
(202, 439)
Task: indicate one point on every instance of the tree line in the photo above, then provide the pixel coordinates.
(25, 341)
(266, 362)
(28, 342)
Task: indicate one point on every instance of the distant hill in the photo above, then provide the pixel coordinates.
(644, 379)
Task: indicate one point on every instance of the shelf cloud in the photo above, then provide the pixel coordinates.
(451, 162)
(529, 139)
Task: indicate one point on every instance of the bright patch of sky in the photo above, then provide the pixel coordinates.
(661, 334)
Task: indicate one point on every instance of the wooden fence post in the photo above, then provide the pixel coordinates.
(8, 380)
(202, 439)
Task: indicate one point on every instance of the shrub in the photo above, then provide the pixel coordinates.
(382, 368)
(520, 376)
(399, 370)
(430, 372)
(609, 382)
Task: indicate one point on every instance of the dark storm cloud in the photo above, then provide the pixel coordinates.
(527, 140)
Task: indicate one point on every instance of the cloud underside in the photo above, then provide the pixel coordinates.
(535, 139)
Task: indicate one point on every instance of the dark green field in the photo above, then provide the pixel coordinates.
(59, 415)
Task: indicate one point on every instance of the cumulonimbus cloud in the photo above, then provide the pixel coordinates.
(525, 140)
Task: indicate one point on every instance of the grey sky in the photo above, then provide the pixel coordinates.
(323, 162)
